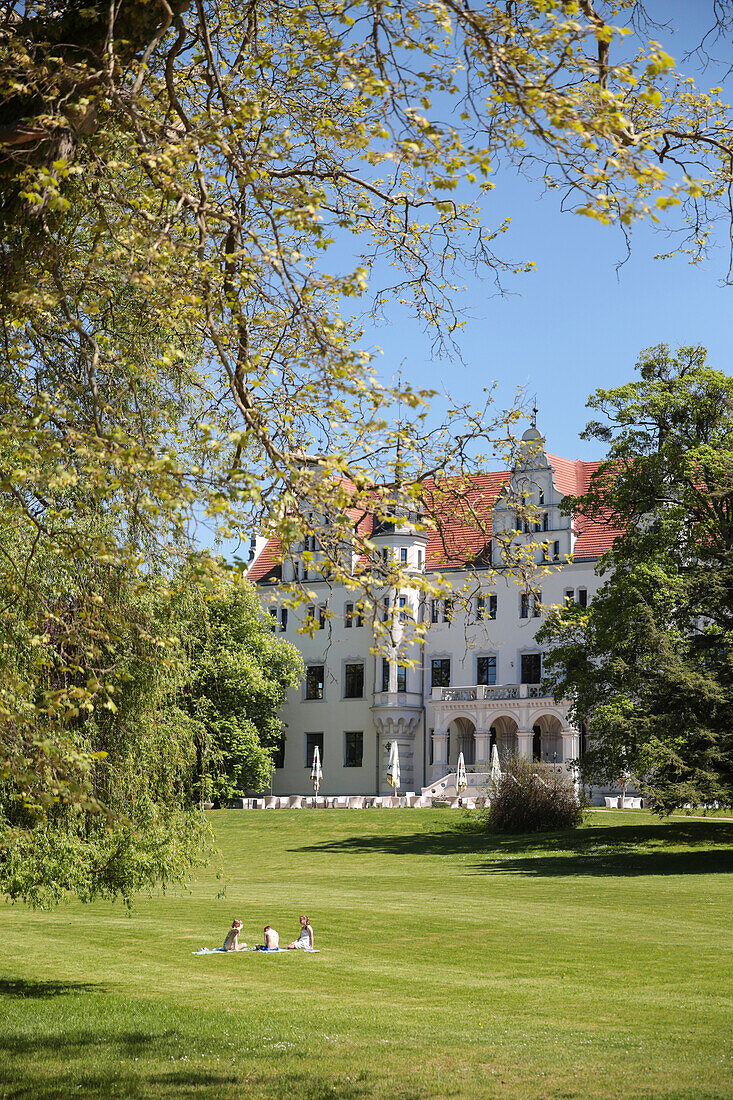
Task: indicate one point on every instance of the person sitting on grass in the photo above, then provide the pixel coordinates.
(231, 940)
(272, 940)
(305, 940)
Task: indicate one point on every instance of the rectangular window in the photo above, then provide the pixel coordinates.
(524, 606)
(385, 609)
(310, 613)
(278, 753)
(283, 620)
(486, 670)
(385, 674)
(419, 559)
(349, 615)
(447, 611)
(583, 597)
(556, 550)
(354, 681)
(313, 741)
(402, 604)
(273, 619)
(401, 678)
(480, 607)
(353, 749)
(314, 682)
(531, 668)
(434, 611)
(569, 597)
(403, 555)
(385, 555)
(537, 605)
(359, 617)
(440, 672)
(492, 605)
(546, 521)
(321, 617)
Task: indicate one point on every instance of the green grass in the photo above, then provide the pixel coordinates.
(594, 964)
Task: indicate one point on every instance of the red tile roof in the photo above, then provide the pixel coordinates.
(463, 515)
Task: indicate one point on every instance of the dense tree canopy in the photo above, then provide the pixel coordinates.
(177, 697)
(199, 202)
(648, 664)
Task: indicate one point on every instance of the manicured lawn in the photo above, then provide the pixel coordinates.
(596, 964)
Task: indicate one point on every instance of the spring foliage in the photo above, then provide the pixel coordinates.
(200, 201)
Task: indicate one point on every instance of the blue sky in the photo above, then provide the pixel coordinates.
(574, 324)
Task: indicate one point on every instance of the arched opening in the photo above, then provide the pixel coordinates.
(461, 740)
(504, 735)
(547, 739)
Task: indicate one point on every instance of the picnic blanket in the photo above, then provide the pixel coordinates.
(267, 951)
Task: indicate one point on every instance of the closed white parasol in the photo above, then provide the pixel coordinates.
(316, 770)
(461, 777)
(393, 767)
(494, 771)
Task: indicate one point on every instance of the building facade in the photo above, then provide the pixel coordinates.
(476, 680)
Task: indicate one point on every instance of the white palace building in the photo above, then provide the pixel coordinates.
(477, 679)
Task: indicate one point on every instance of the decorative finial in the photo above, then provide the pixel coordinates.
(534, 413)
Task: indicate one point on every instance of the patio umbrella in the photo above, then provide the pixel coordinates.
(461, 777)
(494, 770)
(393, 767)
(316, 771)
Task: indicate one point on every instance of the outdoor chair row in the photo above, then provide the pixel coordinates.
(346, 802)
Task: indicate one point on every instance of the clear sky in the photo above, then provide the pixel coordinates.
(573, 324)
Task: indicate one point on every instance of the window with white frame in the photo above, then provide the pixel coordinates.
(283, 620)
(524, 605)
(385, 674)
(314, 680)
(480, 608)
(401, 678)
(353, 749)
(348, 615)
(486, 669)
(531, 668)
(440, 672)
(403, 555)
(354, 680)
(434, 611)
(583, 597)
(313, 741)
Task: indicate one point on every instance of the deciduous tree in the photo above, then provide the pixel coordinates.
(648, 665)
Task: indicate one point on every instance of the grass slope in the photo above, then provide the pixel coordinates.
(595, 964)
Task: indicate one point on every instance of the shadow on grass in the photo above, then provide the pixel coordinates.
(671, 848)
(20, 987)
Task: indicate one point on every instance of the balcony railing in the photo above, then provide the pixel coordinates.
(397, 699)
(488, 692)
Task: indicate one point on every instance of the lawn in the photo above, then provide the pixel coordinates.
(594, 964)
